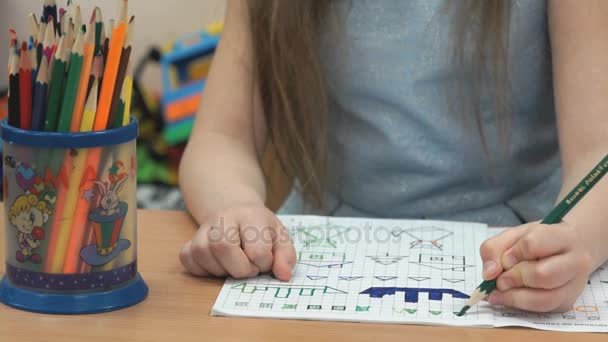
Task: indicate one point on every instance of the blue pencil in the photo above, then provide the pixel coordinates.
(40, 93)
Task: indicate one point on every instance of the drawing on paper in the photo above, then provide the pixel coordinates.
(285, 291)
(386, 260)
(425, 237)
(368, 280)
(314, 237)
(322, 259)
(419, 279)
(453, 281)
(385, 278)
(442, 262)
(412, 294)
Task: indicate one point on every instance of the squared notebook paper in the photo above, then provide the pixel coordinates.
(394, 271)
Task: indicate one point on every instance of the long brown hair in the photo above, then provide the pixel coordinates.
(293, 90)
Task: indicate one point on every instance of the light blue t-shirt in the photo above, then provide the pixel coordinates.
(397, 149)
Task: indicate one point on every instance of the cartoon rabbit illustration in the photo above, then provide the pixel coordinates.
(109, 196)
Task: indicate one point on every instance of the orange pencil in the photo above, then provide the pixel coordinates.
(79, 180)
(89, 49)
(111, 71)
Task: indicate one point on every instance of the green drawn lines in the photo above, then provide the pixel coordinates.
(318, 237)
(284, 291)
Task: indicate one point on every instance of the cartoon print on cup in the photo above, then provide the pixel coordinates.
(29, 214)
(107, 218)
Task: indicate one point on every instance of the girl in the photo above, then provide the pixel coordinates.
(477, 110)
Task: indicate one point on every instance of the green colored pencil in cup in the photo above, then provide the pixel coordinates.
(555, 216)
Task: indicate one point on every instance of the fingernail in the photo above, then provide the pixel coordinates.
(489, 267)
(510, 261)
(496, 299)
(505, 283)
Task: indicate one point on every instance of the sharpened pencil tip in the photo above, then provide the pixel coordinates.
(463, 311)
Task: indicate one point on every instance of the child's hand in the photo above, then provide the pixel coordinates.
(241, 242)
(545, 267)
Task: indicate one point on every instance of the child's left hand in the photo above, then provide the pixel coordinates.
(540, 268)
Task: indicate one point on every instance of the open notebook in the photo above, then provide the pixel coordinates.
(394, 271)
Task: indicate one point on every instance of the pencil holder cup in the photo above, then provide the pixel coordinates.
(70, 219)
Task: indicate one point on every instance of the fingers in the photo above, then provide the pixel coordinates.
(548, 273)
(185, 256)
(284, 255)
(257, 245)
(536, 300)
(492, 250)
(225, 245)
(201, 254)
(541, 242)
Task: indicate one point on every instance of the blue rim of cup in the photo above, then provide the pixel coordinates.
(54, 140)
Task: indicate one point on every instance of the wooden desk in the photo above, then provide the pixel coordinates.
(178, 308)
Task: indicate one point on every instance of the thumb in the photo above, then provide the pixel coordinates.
(284, 255)
(492, 250)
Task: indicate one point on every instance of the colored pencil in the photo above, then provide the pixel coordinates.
(126, 95)
(88, 116)
(96, 72)
(76, 202)
(100, 34)
(72, 83)
(33, 25)
(50, 11)
(13, 42)
(77, 18)
(14, 112)
(555, 216)
(70, 38)
(120, 78)
(89, 49)
(40, 92)
(108, 36)
(62, 23)
(40, 41)
(110, 73)
(49, 42)
(57, 82)
(33, 55)
(25, 88)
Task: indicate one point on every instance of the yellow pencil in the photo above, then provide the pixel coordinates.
(127, 91)
(88, 117)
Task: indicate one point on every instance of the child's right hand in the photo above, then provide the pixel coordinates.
(241, 242)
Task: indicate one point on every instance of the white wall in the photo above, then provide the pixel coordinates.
(156, 21)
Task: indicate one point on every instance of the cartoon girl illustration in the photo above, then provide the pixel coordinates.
(28, 214)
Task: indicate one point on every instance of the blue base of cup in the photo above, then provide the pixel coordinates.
(76, 304)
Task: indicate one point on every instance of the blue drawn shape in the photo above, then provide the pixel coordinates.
(349, 278)
(412, 294)
(316, 277)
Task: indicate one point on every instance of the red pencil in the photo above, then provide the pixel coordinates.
(25, 87)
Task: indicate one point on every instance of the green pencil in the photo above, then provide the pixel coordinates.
(71, 87)
(56, 87)
(555, 216)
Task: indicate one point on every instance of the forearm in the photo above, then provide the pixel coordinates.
(579, 40)
(589, 216)
(218, 174)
